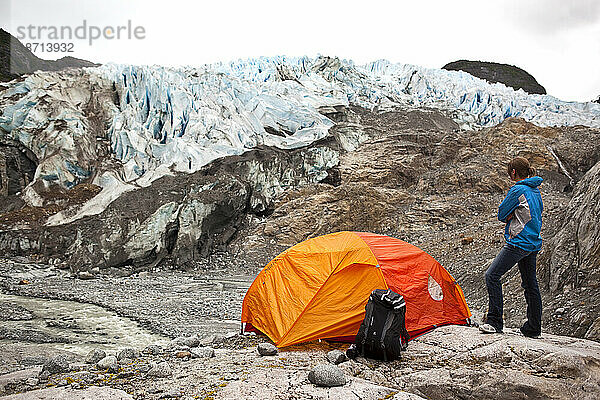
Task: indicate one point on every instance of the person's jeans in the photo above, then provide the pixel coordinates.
(504, 261)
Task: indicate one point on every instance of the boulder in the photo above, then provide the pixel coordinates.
(128, 353)
(56, 365)
(94, 356)
(184, 342)
(336, 357)
(153, 349)
(203, 352)
(160, 370)
(108, 363)
(327, 375)
(183, 354)
(570, 264)
(267, 349)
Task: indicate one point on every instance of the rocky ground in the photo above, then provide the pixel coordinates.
(451, 362)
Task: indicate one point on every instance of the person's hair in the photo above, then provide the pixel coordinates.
(522, 167)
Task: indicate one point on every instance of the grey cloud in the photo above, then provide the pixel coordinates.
(551, 16)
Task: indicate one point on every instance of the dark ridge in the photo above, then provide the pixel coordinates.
(509, 75)
(16, 59)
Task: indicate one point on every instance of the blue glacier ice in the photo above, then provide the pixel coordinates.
(187, 116)
(168, 119)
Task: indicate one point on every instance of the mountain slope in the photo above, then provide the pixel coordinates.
(492, 72)
(16, 59)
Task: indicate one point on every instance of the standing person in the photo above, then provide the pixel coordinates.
(521, 210)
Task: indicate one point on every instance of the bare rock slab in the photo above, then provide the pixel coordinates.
(55, 393)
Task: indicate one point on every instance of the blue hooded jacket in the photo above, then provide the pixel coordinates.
(524, 203)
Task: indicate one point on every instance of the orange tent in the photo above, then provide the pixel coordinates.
(318, 288)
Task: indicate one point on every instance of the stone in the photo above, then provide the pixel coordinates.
(143, 368)
(31, 381)
(466, 240)
(153, 349)
(43, 376)
(108, 363)
(160, 370)
(191, 341)
(336, 357)
(86, 377)
(129, 353)
(56, 365)
(267, 349)
(85, 275)
(559, 311)
(572, 255)
(203, 352)
(94, 356)
(327, 375)
(207, 340)
(184, 342)
(183, 354)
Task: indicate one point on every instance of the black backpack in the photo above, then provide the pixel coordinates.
(382, 334)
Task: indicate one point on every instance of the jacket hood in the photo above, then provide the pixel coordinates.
(533, 182)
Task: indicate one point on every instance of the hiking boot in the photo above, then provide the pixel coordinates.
(487, 328)
(529, 334)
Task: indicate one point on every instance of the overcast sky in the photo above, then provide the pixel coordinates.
(557, 41)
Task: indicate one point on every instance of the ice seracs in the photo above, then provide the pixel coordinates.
(155, 120)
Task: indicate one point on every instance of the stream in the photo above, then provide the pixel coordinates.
(69, 326)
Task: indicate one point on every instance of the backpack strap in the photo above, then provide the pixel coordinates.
(368, 316)
(386, 327)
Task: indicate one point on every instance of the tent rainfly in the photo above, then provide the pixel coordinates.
(318, 288)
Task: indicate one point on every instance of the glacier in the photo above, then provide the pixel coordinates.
(186, 117)
(163, 120)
